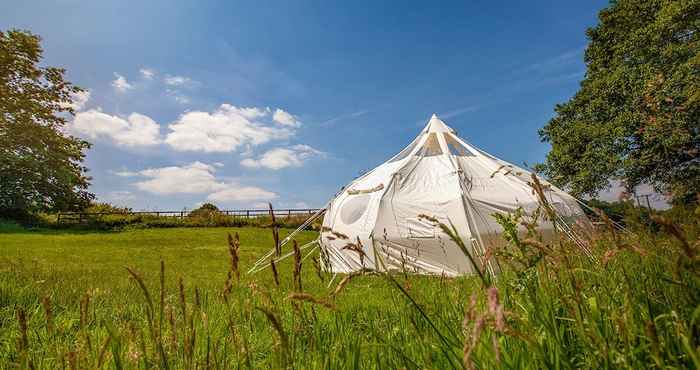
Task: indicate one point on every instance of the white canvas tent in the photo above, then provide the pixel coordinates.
(441, 176)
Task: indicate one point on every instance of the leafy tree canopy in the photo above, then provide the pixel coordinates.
(40, 166)
(636, 116)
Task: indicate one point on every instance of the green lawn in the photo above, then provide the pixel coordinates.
(630, 307)
(84, 260)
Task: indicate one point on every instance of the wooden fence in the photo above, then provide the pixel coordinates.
(81, 217)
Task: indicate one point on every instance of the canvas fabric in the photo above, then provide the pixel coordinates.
(444, 177)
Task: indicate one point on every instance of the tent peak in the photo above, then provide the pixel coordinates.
(437, 125)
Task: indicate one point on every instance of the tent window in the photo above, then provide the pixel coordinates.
(431, 146)
(354, 208)
(456, 148)
(404, 153)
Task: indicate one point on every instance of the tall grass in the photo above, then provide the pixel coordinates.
(633, 304)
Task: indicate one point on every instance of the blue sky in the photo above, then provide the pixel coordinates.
(241, 103)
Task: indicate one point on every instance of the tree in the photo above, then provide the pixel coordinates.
(40, 165)
(636, 116)
(205, 210)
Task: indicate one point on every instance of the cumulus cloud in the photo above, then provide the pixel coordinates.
(284, 118)
(223, 130)
(119, 197)
(120, 83)
(177, 80)
(198, 178)
(147, 73)
(134, 130)
(125, 173)
(240, 194)
(79, 100)
(279, 158)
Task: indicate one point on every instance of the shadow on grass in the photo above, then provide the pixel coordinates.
(11, 227)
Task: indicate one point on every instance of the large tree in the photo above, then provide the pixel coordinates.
(40, 166)
(636, 116)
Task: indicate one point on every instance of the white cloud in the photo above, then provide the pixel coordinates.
(284, 118)
(279, 158)
(178, 96)
(125, 173)
(344, 116)
(119, 197)
(223, 130)
(121, 84)
(134, 130)
(78, 100)
(240, 194)
(177, 80)
(198, 178)
(147, 73)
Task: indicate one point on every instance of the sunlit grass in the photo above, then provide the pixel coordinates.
(634, 307)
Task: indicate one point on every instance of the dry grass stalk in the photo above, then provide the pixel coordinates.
(234, 245)
(539, 190)
(297, 266)
(173, 328)
(153, 330)
(183, 301)
(428, 218)
(317, 267)
(24, 337)
(340, 235)
(275, 232)
(357, 248)
(277, 326)
(84, 307)
(341, 285)
(678, 233)
(103, 352)
(309, 298)
(275, 274)
(197, 300)
(609, 224)
(73, 360)
(494, 318)
(365, 191)
(48, 311)
(497, 170)
(84, 313)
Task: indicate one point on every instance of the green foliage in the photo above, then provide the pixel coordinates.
(636, 116)
(616, 211)
(40, 166)
(103, 207)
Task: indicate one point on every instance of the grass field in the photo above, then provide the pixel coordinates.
(67, 300)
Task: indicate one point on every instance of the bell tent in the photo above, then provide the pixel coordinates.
(393, 211)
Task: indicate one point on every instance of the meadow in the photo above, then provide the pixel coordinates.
(169, 298)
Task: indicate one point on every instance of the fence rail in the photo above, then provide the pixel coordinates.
(242, 213)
